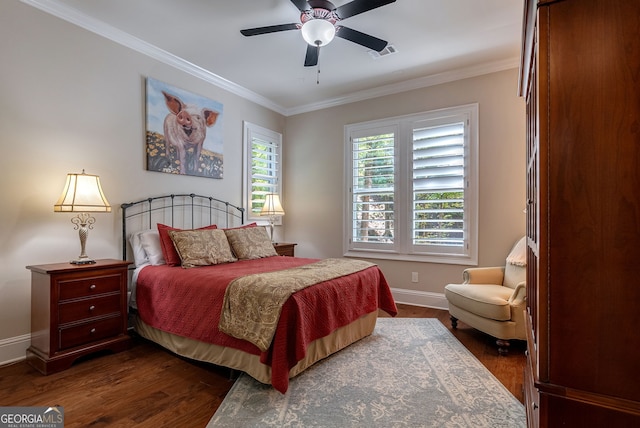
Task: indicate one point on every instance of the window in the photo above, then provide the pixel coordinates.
(412, 191)
(263, 172)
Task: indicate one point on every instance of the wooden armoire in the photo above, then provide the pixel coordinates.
(580, 76)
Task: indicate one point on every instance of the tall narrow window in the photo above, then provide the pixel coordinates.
(263, 172)
(373, 188)
(438, 186)
(413, 187)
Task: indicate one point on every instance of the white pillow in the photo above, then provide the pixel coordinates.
(139, 254)
(150, 240)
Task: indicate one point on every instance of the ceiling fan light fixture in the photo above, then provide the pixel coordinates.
(318, 32)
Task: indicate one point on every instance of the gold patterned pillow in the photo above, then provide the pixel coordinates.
(202, 247)
(250, 243)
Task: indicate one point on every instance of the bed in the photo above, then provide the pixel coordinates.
(194, 298)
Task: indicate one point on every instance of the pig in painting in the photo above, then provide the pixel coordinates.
(185, 127)
(184, 132)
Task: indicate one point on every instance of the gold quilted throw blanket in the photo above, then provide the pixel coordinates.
(252, 303)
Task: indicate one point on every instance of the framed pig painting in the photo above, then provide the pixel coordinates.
(184, 132)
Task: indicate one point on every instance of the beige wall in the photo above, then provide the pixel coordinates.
(314, 193)
(69, 100)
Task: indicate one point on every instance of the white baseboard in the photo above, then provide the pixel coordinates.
(13, 349)
(420, 298)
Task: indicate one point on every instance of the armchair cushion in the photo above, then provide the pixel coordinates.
(514, 275)
(486, 300)
(515, 270)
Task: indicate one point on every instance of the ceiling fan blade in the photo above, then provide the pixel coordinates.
(302, 5)
(359, 6)
(269, 29)
(311, 59)
(363, 39)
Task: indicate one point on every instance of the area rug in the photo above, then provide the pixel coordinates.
(411, 372)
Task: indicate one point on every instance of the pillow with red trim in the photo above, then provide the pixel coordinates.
(244, 226)
(171, 256)
(250, 243)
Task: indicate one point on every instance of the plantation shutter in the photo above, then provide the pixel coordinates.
(413, 187)
(265, 170)
(373, 190)
(438, 185)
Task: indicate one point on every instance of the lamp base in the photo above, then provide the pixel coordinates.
(83, 222)
(83, 261)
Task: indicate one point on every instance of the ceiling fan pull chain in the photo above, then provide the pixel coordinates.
(318, 62)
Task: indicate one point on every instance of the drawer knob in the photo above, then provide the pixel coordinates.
(93, 330)
(92, 308)
(92, 287)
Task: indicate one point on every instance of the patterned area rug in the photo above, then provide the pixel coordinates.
(411, 372)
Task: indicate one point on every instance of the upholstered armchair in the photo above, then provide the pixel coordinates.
(492, 299)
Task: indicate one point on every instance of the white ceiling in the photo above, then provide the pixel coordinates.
(436, 41)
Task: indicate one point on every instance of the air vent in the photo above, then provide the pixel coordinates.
(390, 49)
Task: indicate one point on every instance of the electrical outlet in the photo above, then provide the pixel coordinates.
(414, 276)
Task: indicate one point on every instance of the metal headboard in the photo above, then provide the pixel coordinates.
(178, 210)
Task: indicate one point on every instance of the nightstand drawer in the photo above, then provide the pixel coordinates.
(285, 249)
(88, 308)
(89, 332)
(90, 286)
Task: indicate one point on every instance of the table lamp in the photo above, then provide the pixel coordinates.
(82, 194)
(272, 208)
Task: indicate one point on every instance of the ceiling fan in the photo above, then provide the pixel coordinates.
(319, 24)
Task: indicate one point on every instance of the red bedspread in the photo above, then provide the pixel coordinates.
(188, 302)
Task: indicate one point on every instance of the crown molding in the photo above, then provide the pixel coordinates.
(100, 28)
(410, 85)
(73, 16)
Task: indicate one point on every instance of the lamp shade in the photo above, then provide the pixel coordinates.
(318, 32)
(82, 193)
(272, 205)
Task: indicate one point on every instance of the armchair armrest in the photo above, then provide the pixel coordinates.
(517, 304)
(519, 294)
(483, 275)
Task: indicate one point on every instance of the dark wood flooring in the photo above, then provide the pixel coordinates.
(147, 386)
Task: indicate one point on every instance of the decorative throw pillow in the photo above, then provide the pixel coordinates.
(169, 252)
(201, 247)
(250, 243)
(518, 254)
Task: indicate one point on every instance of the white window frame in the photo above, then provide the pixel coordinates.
(402, 247)
(251, 132)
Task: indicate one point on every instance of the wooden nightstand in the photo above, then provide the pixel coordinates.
(285, 249)
(76, 310)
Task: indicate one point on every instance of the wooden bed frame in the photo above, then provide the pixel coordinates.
(192, 211)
